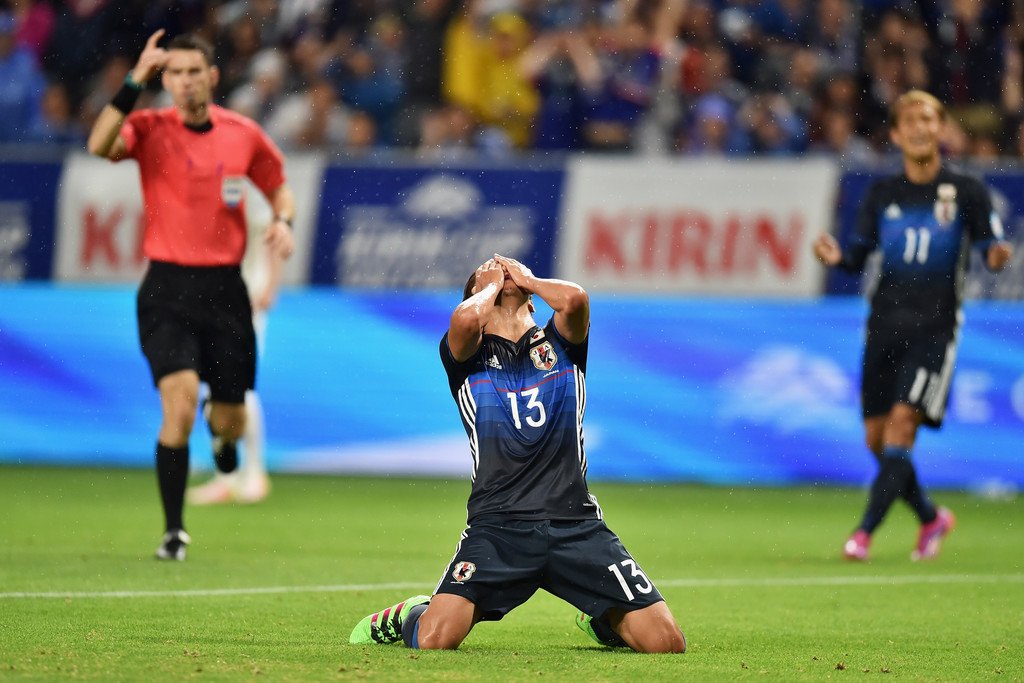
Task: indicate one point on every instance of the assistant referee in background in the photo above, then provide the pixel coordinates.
(194, 313)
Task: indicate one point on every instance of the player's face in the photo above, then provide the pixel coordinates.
(189, 79)
(917, 132)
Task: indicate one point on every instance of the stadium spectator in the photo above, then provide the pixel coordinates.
(839, 138)
(260, 96)
(79, 43)
(522, 536)
(194, 315)
(923, 221)
(21, 86)
(311, 119)
(56, 123)
(630, 68)
(34, 20)
(371, 76)
(564, 69)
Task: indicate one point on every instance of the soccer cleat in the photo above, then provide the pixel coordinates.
(385, 627)
(172, 545)
(856, 547)
(929, 540)
(220, 489)
(252, 489)
(585, 623)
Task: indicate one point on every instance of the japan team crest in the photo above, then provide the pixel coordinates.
(463, 571)
(945, 204)
(543, 356)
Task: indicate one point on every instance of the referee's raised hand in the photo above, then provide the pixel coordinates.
(152, 59)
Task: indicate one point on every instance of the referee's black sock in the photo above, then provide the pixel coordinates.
(892, 481)
(172, 475)
(918, 499)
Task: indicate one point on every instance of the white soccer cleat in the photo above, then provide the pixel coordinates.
(172, 545)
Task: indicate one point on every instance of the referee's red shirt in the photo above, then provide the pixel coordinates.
(193, 183)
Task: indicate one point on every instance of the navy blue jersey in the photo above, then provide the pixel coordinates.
(522, 406)
(924, 233)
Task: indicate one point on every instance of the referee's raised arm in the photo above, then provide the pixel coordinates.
(104, 139)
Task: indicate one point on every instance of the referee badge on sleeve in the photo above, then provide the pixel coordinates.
(232, 191)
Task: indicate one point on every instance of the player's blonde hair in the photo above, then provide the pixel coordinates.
(912, 97)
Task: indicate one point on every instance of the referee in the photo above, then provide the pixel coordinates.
(194, 313)
(924, 222)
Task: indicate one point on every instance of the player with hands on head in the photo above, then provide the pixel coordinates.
(193, 309)
(532, 523)
(924, 221)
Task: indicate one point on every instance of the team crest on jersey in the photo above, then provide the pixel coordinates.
(463, 571)
(543, 356)
(945, 204)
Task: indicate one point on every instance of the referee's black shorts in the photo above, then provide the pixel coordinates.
(198, 318)
(913, 367)
(498, 565)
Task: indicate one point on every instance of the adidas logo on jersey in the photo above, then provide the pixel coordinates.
(893, 211)
(493, 362)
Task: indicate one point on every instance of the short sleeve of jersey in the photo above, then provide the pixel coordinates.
(577, 353)
(134, 129)
(267, 167)
(865, 236)
(983, 224)
(457, 372)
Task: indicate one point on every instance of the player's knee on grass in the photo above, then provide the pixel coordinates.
(446, 623)
(652, 630)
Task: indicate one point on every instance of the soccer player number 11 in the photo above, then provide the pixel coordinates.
(917, 242)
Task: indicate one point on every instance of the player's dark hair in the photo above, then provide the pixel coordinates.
(467, 291)
(192, 42)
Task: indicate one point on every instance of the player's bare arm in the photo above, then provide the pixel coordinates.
(568, 300)
(104, 139)
(278, 238)
(466, 328)
(998, 255)
(827, 250)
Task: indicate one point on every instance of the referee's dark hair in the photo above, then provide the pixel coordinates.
(192, 42)
(915, 97)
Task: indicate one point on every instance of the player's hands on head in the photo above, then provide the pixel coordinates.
(827, 250)
(517, 272)
(488, 273)
(999, 254)
(152, 59)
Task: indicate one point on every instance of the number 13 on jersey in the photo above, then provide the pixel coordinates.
(535, 415)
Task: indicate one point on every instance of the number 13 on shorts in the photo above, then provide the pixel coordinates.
(645, 586)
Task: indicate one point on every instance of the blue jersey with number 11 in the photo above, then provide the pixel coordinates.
(522, 404)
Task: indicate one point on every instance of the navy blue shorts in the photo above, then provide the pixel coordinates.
(498, 565)
(198, 318)
(912, 368)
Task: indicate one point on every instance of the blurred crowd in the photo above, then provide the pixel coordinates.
(495, 77)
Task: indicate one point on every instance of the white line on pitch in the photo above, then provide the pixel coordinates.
(669, 583)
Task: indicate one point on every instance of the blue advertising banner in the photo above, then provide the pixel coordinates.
(430, 227)
(736, 392)
(1007, 190)
(28, 200)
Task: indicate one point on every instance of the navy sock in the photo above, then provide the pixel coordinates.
(225, 455)
(172, 476)
(411, 626)
(892, 482)
(606, 633)
(918, 500)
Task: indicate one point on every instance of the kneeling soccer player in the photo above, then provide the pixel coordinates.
(532, 523)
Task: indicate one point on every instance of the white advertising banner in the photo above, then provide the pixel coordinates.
(682, 226)
(100, 219)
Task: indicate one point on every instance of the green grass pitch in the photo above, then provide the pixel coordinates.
(271, 591)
